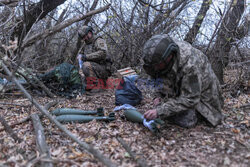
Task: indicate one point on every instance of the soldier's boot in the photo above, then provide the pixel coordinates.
(186, 119)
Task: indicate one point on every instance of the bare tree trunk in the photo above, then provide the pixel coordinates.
(86, 22)
(192, 33)
(226, 36)
(60, 26)
(35, 13)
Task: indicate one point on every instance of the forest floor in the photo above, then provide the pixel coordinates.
(226, 145)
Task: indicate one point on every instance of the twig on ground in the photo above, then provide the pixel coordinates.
(83, 145)
(141, 162)
(34, 161)
(41, 84)
(47, 106)
(245, 105)
(12, 104)
(9, 130)
(53, 160)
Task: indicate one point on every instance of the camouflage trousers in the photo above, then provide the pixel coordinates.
(92, 69)
(186, 119)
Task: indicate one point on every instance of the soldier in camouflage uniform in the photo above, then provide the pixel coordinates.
(93, 59)
(191, 90)
(64, 80)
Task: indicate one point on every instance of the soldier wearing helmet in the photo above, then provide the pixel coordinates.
(191, 90)
(92, 57)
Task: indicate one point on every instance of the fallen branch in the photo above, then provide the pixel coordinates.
(34, 77)
(12, 104)
(34, 161)
(47, 106)
(83, 145)
(53, 160)
(40, 139)
(9, 130)
(59, 27)
(242, 143)
(41, 84)
(245, 105)
(7, 88)
(17, 123)
(11, 3)
(141, 162)
(240, 64)
(51, 104)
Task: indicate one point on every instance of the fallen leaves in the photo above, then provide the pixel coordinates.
(235, 130)
(246, 122)
(199, 146)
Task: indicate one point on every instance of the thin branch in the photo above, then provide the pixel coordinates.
(83, 145)
(9, 130)
(53, 160)
(10, 3)
(40, 139)
(59, 27)
(12, 104)
(141, 162)
(47, 106)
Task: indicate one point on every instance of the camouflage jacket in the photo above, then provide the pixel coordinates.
(96, 51)
(191, 84)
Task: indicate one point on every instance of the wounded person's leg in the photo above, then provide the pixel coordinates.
(185, 119)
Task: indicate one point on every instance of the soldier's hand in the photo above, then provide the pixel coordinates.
(81, 57)
(157, 101)
(150, 114)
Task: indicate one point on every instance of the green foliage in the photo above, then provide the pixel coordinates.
(228, 39)
(200, 17)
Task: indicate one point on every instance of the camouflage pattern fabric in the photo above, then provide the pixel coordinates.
(93, 69)
(190, 85)
(66, 77)
(96, 64)
(185, 119)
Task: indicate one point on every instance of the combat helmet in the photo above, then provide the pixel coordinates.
(159, 51)
(84, 31)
